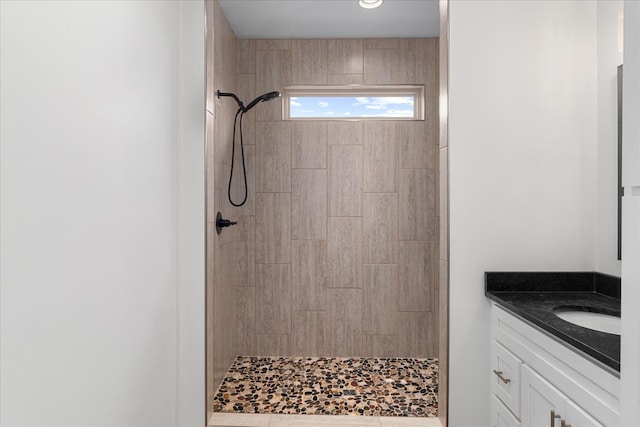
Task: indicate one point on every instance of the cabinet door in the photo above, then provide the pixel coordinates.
(506, 379)
(540, 401)
(577, 417)
(501, 416)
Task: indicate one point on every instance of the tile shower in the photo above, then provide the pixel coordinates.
(335, 253)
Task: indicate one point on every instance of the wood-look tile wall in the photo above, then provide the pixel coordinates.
(225, 300)
(336, 252)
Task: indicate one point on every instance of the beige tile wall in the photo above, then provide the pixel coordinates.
(227, 298)
(344, 259)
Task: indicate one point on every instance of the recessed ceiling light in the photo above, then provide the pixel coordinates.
(370, 4)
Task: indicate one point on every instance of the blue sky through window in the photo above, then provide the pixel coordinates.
(351, 106)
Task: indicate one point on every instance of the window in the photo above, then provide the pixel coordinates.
(391, 102)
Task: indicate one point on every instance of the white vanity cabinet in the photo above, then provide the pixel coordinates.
(539, 382)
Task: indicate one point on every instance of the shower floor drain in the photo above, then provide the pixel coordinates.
(330, 386)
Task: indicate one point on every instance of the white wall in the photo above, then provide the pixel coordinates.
(98, 287)
(191, 409)
(522, 147)
(630, 345)
(609, 57)
(631, 131)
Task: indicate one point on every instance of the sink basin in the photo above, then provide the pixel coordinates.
(602, 322)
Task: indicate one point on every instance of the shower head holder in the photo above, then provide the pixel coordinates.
(232, 95)
(262, 98)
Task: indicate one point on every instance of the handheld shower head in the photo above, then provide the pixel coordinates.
(262, 98)
(239, 115)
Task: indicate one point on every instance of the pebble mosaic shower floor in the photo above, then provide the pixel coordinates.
(404, 387)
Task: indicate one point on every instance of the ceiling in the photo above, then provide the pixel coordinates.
(272, 19)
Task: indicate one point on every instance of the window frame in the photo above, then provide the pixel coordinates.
(370, 91)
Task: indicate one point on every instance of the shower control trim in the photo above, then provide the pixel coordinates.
(222, 223)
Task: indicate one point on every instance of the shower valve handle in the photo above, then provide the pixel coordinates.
(222, 223)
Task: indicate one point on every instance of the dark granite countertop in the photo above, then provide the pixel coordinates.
(533, 296)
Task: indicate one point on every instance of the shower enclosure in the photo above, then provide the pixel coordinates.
(336, 250)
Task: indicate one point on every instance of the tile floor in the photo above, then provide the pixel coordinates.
(222, 419)
(275, 391)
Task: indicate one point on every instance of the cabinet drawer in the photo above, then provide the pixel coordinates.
(501, 416)
(506, 377)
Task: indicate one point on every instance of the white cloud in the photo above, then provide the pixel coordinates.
(387, 105)
(294, 103)
(384, 100)
(323, 104)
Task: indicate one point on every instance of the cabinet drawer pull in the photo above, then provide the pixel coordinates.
(502, 378)
(553, 418)
(563, 423)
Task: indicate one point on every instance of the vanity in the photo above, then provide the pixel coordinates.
(546, 369)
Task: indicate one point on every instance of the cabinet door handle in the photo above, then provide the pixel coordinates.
(553, 418)
(502, 378)
(563, 423)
